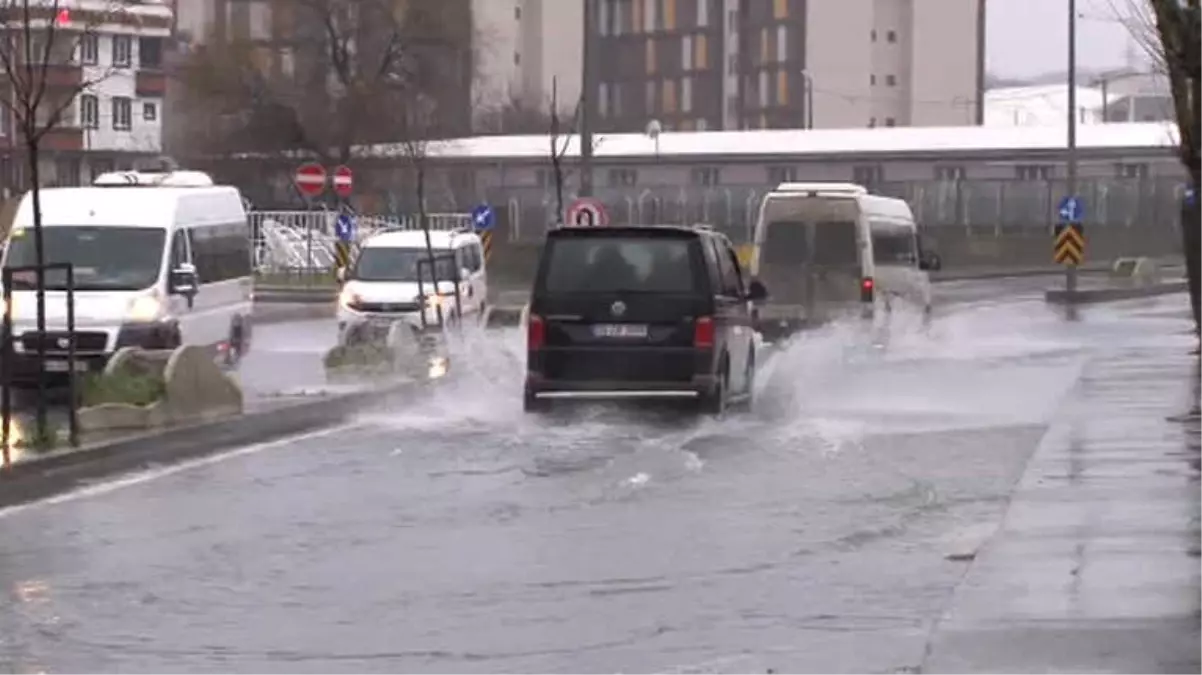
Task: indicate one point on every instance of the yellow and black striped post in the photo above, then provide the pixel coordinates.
(1069, 249)
(486, 242)
(342, 254)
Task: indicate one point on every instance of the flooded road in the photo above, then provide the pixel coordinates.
(825, 532)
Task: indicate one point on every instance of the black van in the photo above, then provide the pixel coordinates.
(650, 312)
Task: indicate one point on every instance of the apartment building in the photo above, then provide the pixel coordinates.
(749, 64)
(109, 59)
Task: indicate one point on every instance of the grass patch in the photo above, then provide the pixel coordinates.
(140, 389)
(45, 441)
(298, 279)
(359, 356)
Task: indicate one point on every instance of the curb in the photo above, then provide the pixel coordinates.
(1060, 296)
(55, 474)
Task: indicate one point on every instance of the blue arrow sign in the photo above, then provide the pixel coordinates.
(483, 217)
(344, 227)
(1071, 210)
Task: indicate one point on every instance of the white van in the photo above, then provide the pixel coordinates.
(828, 247)
(381, 286)
(159, 260)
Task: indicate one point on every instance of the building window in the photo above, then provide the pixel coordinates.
(603, 98)
(780, 9)
(890, 122)
(1033, 172)
(765, 88)
(89, 49)
(89, 111)
(867, 174)
(650, 56)
(150, 53)
(703, 13)
(122, 113)
(649, 16)
(668, 90)
(122, 51)
(1122, 170)
(652, 95)
(781, 174)
(891, 80)
(700, 52)
(686, 95)
(623, 177)
(702, 124)
(150, 112)
(706, 175)
(891, 36)
(782, 43)
(686, 53)
(949, 173)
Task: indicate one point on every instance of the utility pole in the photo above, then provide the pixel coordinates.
(588, 85)
(1070, 271)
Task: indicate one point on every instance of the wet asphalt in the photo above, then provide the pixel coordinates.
(824, 532)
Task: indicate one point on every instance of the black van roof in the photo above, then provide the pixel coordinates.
(624, 231)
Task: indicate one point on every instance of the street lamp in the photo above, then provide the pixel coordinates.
(807, 83)
(1070, 271)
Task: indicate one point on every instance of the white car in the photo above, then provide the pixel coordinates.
(382, 285)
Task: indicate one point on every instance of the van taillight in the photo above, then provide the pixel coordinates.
(703, 332)
(866, 288)
(536, 333)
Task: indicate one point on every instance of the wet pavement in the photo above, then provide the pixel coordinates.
(828, 531)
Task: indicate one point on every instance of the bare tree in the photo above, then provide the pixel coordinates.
(560, 138)
(41, 56)
(515, 116)
(342, 78)
(1171, 30)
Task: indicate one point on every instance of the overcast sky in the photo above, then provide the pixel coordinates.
(1029, 37)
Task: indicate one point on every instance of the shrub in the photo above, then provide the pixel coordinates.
(138, 389)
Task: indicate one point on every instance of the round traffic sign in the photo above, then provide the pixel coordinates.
(311, 179)
(344, 180)
(587, 212)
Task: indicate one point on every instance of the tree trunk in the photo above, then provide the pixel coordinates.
(1191, 239)
(39, 257)
(425, 225)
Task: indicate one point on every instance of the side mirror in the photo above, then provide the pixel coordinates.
(929, 261)
(465, 274)
(756, 291)
(183, 280)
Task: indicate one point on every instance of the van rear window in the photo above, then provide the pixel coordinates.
(826, 244)
(612, 264)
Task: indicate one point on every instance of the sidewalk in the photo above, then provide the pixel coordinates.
(1096, 565)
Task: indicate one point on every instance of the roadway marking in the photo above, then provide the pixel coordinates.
(108, 486)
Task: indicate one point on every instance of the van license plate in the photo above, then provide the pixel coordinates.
(619, 330)
(61, 366)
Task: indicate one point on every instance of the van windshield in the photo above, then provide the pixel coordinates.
(822, 244)
(388, 263)
(608, 264)
(104, 258)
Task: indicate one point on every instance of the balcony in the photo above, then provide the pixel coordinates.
(63, 138)
(64, 76)
(150, 83)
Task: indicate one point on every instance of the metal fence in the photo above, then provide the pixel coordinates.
(303, 242)
(979, 206)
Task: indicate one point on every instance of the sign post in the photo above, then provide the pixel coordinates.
(310, 179)
(344, 229)
(587, 212)
(484, 218)
(344, 181)
(1069, 247)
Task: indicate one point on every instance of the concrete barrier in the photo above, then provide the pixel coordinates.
(195, 389)
(1085, 296)
(1136, 271)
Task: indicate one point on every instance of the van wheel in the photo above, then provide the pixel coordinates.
(713, 402)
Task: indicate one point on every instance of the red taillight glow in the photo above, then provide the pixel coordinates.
(703, 332)
(536, 333)
(866, 288)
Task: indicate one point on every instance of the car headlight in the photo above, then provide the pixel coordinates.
(348, 298)
(144, 308)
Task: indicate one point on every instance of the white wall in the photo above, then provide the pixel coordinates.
(144, 136)
(839, 59)
(943, 42)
